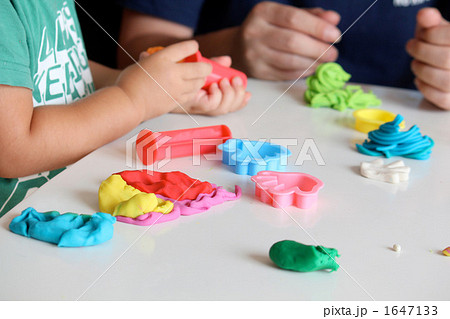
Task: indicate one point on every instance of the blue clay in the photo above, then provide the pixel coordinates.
(389, 141)
(65, 230)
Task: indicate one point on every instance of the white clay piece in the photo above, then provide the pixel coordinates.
(394, 172)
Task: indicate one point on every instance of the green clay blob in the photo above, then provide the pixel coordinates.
(291, 255)
(326, 88)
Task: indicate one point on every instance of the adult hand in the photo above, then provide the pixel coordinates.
(281, 42)
(431, 52)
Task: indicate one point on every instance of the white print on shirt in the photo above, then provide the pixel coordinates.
(63, 73)
(408, 3)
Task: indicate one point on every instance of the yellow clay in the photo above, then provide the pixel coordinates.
(113, 191)
(117, 198)
(142, 203)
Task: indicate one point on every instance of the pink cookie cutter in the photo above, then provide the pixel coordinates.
(155, 146)
(283, 189)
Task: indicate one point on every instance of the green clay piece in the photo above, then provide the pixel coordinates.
(291, 255)
(326, 88)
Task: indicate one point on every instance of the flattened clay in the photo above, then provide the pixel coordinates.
(65, 230)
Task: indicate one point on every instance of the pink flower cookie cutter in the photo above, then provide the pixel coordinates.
(283, 189)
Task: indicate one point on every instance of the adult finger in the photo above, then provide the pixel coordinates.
(441, 99)
(438, 56)
(429, 17)
(300, 44)
(433, 76)
(439, 35)
(271, 72)
(290, 62)
(300, 20)
(329, 15)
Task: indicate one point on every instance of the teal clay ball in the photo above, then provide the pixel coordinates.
(291, 255)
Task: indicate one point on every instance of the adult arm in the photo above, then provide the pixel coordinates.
(140, 31)
(270, 43)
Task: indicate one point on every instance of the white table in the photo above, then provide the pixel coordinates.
(222, 254)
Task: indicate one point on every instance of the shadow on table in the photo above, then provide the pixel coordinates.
(7, 218)
(90, 198)
(428, 106)
(409, 99)
(356, 170)
(262, 259)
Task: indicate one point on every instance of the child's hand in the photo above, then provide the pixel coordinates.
(431, 52)
(219, 99)
(158, 83)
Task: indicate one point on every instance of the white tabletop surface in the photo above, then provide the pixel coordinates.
(222, 254)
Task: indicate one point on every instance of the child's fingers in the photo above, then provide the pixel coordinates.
(195, 70)
(203, 102)
(242, 98)
(224, 60)
(228, 95)
(178, 51)
(214, 97)
(193, 85)
(233, 95)
(247, 98)
(208, 102)
(239, 93)
(143, 55)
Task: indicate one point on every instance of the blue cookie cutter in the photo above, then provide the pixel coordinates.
(65, 230)
(250, 157)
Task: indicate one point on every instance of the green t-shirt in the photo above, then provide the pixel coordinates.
(41, 48)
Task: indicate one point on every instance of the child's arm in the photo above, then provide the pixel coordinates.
(37, 139)
(103, 76)
(431, 52)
